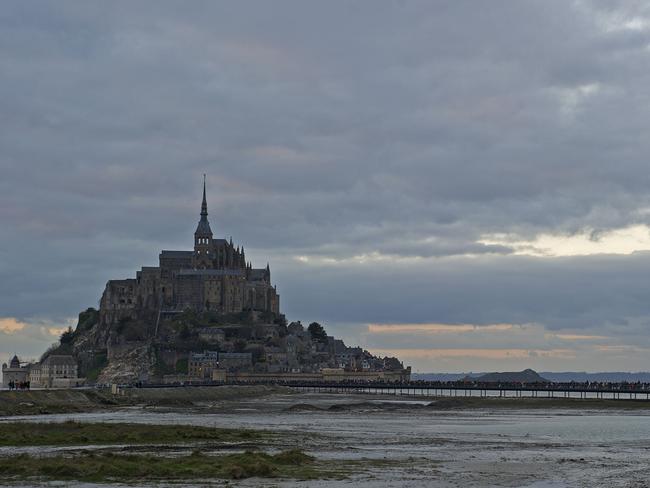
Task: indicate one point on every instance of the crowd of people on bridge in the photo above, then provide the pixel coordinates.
(466, 383)
(475, 384)
(538, 385)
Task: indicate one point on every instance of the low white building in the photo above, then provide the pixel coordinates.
(55, 371)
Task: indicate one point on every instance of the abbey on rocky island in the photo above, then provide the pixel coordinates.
(215, 276)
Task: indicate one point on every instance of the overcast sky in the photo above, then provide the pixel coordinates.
(463, 184)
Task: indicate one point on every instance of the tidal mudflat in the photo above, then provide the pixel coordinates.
(340, 440)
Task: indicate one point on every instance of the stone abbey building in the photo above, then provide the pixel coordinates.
(215, 276)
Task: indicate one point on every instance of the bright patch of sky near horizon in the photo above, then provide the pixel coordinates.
(586, 242)
(447, 181)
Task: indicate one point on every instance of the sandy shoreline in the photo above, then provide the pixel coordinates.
(39, 402)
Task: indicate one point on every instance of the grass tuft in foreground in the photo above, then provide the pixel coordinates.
(118, 467)
(79, 434)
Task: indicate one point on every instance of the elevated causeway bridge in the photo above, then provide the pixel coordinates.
(609, 392)
(604, 391)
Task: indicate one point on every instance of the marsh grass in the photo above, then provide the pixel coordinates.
(78, 433)
(119, 467)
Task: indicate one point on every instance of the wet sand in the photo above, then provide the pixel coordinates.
(391, 442)
(34, 402)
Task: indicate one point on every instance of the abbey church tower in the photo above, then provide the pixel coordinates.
(203, 238)
(214, 276)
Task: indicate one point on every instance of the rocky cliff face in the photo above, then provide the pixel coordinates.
(128, 364)
(107, 353)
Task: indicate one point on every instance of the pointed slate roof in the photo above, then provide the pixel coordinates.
(203, 229)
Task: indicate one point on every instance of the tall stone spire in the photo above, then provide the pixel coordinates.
(204, 204)
(203, 229)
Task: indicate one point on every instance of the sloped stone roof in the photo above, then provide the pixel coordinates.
(176, 254)
(61, 360)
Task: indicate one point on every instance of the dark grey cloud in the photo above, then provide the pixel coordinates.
(561, 293)
(404, 129)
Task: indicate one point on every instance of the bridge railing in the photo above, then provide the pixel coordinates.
(589, 387)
